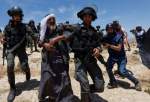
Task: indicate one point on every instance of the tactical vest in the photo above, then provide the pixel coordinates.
(84, 41)
(14, 35)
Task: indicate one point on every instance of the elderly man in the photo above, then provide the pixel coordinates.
(55, 82)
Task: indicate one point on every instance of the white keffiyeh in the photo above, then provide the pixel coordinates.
(43, 26)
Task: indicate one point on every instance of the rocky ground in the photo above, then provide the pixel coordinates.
(28, 91)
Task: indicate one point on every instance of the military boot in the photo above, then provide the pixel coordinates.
(11, 95)
(28, 74)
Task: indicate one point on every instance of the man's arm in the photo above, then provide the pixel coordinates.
(116, 47)
(126, 41)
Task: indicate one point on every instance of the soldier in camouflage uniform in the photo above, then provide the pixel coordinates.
(33, 37)
(85, 43)
(15, 39)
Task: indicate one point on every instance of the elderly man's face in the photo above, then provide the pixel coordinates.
(51, 21)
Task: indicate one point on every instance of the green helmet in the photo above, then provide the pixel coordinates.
(89, 11)
(15, 10)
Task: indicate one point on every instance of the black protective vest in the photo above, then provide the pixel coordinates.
(14, 35)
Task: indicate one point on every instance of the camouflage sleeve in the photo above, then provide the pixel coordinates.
(98, 40)
(70, 32)
(28, 30)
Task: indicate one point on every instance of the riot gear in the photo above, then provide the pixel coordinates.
(15, 42)
(109, 26)
(89, 11)
(16, 10)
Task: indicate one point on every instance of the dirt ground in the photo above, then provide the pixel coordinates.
(28, 91)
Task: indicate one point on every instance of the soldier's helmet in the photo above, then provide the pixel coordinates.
(31, 22)
(110, 25)
(87, 10)
(116, 22)
(15, 10)
(139, 28)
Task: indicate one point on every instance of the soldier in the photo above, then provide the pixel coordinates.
(85, 43)
(15, 40)
(139, 35)
(142, 39)
(55, 82)
(114, 43)
(33, 37)
(100, 57)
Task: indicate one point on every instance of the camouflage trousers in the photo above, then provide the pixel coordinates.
(81, 70)
(23, 58)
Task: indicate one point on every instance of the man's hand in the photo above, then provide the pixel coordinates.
(57, 39)
(96, 52)
(49, 46)
(2, 40)
(106, 45)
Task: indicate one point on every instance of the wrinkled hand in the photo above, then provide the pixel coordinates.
(49, 46)
(52, 41)
(96, 52)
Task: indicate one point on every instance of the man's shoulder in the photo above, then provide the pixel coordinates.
(118, 37)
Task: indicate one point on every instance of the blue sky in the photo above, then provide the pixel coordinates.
(129, 12)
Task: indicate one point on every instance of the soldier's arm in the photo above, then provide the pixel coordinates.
(97, 49)
(66, 35)
(29, 30)
(98, 42)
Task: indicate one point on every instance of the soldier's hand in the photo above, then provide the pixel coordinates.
(96, 52)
